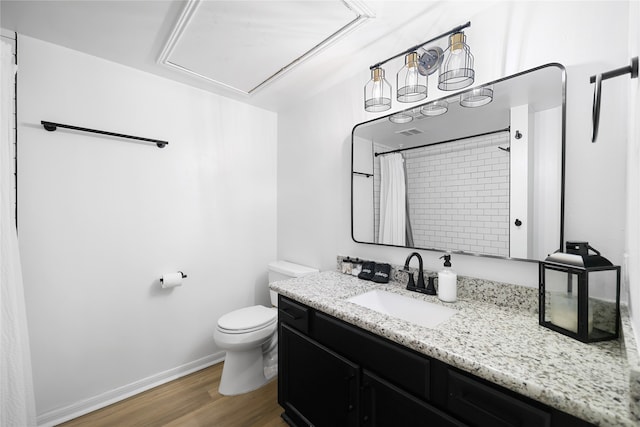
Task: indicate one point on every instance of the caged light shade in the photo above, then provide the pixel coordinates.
(457, 70)
(377, 92)
(435, 108)
(412, 86)
(477, 97)
(401, 117)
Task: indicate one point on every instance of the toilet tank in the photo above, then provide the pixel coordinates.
(281, 270)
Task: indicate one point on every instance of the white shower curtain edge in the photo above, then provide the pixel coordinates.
(392, 229)
(17, 401)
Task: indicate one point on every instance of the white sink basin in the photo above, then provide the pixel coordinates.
(412, 310)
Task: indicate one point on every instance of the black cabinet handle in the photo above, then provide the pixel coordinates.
(350, 392)
(368, 402)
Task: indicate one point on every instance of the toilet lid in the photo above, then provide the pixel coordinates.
(248, 319)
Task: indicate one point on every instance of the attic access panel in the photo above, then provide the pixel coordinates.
(243, 45)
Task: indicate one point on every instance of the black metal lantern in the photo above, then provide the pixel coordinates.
(576, 294)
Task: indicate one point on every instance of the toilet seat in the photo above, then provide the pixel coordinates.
(248, 319)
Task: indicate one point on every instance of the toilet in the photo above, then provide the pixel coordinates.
(249, 336)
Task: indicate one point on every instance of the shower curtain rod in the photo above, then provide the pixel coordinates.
(507, 129)
(51, 126)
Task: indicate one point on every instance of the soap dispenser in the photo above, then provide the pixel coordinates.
(447, 281)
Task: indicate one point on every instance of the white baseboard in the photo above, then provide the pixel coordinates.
(66, 413)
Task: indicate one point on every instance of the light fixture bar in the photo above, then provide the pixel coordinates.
(418, 46)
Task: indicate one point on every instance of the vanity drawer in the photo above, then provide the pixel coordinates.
(293, 314)
(389, 361)
(481, 405)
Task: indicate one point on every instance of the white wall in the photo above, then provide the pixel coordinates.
(505, 38)
(101, 219)
(365, 217)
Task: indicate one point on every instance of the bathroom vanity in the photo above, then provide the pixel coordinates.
(342, 364)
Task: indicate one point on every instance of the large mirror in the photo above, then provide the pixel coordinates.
(478, 172)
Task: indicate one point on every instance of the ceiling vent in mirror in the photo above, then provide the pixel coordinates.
(249, 44)
(409, 132)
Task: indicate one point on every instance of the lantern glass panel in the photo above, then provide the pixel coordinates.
(561, 299)
(602, 303)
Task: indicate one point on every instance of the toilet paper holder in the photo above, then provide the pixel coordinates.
(184, 276)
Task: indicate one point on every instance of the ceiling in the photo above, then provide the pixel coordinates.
(272, 54)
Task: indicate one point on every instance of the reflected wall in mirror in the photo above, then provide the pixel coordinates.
(485, 180)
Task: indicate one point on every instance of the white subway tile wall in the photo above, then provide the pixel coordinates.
(458, 194)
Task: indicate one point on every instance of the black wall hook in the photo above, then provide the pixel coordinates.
(631, 69)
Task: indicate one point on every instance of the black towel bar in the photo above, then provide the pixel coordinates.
(51, 126)
(367, 175)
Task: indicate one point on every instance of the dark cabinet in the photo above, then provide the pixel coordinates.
(293, 314)
(482, 405)
(396, 365)
(334, 374)
(385, 405)
(317, 386)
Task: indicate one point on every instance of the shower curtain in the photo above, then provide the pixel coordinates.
(17, 403)
(393, 200)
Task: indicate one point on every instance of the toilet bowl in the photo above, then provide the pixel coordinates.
(249, 337)
(246, 335)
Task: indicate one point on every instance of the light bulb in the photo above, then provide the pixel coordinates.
(412, 86)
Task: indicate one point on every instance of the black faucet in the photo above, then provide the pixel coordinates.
(411, 285)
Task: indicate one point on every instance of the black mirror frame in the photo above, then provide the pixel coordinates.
(562, 173)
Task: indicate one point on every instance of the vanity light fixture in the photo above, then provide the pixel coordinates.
(435, 108)
(377, 92)
(430, 60)
(477, 97)
(411, 84)
(412, 78)
(457, 72)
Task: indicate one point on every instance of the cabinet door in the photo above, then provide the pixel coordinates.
(316, 386)
(384, 405)
(395, 364)
(484, 406)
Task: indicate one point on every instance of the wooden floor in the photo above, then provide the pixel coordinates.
(191, 401)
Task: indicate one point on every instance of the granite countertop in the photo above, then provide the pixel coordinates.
(502, 344)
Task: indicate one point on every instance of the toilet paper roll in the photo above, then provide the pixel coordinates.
(171, 280)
